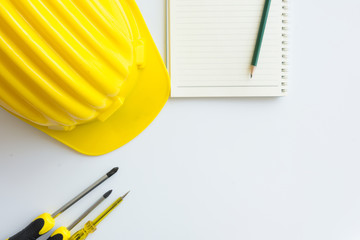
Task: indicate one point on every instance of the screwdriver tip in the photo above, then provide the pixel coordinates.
(125, 195)
(107, 194)
(112, 172)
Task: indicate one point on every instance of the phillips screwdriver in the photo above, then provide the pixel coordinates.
(90, 226)
(45, 222)
(63, 233)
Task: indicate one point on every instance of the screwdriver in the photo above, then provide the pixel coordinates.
(45, 222)
(90, 226)
(63, 233)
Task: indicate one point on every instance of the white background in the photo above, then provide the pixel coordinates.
(252, 169)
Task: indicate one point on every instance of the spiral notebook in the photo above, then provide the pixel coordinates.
(210, 46)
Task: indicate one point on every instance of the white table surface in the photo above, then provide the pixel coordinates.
(252, 169)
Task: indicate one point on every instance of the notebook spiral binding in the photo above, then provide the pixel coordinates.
(284, 69)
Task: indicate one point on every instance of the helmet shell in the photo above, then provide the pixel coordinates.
(67, 67)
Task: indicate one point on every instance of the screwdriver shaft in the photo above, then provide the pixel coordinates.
(84, 193)
(89, 210)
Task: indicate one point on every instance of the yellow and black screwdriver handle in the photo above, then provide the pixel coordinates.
(62, 233)
(41, 225)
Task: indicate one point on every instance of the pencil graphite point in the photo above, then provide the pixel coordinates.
(252, 70)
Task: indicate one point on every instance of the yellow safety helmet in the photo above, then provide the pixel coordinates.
(85, 72)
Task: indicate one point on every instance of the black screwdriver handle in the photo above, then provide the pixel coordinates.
(36, 228)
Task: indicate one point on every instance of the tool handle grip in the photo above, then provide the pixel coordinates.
(61, 233)
(36, 228)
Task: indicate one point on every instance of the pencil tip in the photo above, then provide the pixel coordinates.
(252, 70)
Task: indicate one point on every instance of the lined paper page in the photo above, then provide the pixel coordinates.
(211, 43)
